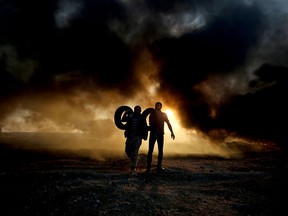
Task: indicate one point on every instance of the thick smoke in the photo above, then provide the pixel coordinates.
(66, 65)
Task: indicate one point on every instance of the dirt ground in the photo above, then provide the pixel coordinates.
(44, 182)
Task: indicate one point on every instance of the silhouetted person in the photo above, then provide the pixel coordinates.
(136, 130)
(156, 123)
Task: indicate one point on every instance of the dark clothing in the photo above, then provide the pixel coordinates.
(160, 141)
(136, 130)
(156, 122)
(135, 126)
(132, 146)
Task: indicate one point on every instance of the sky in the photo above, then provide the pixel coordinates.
(218, 65)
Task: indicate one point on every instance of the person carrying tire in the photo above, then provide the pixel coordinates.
(135, 131)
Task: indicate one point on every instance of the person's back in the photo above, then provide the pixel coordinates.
(134, 134)
(156, 121)
(133, 127)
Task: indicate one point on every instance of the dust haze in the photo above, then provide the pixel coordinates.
(218, 66)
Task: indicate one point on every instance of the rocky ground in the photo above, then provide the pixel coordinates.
(40, 182)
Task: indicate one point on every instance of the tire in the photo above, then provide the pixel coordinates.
(119, 112)
(145, 114)
(118, 115)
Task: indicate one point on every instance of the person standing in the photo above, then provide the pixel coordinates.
(136, 130)
(156, 123)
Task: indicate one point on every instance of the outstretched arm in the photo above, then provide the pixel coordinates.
(169, 126)
(171, 130)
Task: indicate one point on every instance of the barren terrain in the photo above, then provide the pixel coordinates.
(56, 182)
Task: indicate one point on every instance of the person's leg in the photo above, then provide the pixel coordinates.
(160, 142)
(134, 160)
(128, 147)
(152, 140)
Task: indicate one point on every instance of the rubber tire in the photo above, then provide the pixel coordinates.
(118, 115)
(145, 114)
(119, 112)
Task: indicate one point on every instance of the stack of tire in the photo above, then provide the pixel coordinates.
(119, 112)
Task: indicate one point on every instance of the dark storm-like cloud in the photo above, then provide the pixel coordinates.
(219, 63)
(51, 51)
(219, 48)
(261, 113)
(85, 45)
(60, 37)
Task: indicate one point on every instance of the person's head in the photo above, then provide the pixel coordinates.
(137, 109)
(158, 105)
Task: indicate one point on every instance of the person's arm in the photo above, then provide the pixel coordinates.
(171, 130)
(169, 126)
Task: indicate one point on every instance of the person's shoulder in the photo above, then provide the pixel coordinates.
(165, 116)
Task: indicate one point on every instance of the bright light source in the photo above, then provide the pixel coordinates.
(169, 113)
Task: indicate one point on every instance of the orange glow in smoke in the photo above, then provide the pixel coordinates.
(169, 113)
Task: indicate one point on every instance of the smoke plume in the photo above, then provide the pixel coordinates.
(67, 65)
